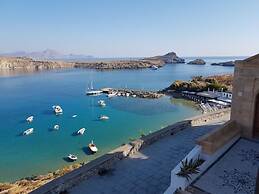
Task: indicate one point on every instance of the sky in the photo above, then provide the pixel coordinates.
(131, 28)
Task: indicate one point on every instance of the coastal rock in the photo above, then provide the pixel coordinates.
(228, 63)
(197, 62)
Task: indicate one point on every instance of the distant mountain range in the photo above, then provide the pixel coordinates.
(47, 54)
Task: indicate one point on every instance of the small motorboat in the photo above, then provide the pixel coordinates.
(154, 67)
(81, 131)
(92, 147)
(57, 109)
(74, 116)
(101, 103)
(112, 94)
(29, 119)
(134, 95)
(56, 127)
(28, 131)
(72, 157)
(127, 94)
(103, 117)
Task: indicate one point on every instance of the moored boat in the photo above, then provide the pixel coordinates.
(56, 127)
(101, 103)
(81, 131)
(28, 131)
(72, 157)
(30, 119)
(92, 147)
(103, 117)
(74, 116)
(57, 109)
(154, 67)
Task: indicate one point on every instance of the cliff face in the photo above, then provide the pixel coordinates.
(13, 63)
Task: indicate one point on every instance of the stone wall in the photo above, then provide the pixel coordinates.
(210, 116)
(108, 160)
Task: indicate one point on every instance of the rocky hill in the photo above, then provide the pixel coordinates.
(170, 58)
(200, 83)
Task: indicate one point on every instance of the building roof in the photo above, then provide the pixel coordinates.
(250, 61)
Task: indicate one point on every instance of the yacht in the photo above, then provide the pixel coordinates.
(92, 147)
(103, 117)
(72, 157)
(29, 119)
(81, 131)
(56, 127)
(57, 109)
(101, 103)
(92, 92)
(28, 131)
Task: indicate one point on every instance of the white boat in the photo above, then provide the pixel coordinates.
(72, 157)
(81, 131)
(92, 92)
(56, 127)
(74, 116)
(154, 67)
(134, 95)
(28, 131)
(29, 119)
(103, 117)
(127, 94)
(92, 147)
(57, 109)
(112, 94)
(101, 103)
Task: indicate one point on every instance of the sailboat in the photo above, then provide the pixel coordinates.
(92, 92)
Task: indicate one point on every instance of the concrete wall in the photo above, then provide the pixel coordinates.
(108, 160)
(245, 90)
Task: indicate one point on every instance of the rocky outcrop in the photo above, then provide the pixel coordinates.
(197, 62)
(170, 58)
(13, 63)
(200, 83)
(228, 63)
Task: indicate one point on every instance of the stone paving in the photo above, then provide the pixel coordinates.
(147, 171)
(235, 172)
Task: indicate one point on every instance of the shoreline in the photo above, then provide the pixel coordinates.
(31, 183)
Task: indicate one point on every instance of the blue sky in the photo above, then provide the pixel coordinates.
(120, 28)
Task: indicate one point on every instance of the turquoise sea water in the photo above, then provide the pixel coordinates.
(34, 94)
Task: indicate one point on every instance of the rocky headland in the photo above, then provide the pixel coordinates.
(197, 62)
(25, 63)
(199, 83)
(227, 63)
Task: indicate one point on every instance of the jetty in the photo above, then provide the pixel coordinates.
(132, 93)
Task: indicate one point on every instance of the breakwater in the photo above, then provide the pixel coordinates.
(132, 93)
